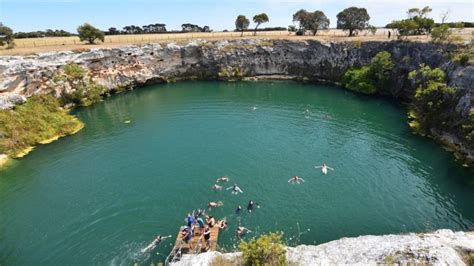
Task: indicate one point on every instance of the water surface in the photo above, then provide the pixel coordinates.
(100, 196)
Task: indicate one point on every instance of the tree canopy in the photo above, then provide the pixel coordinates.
(259, 19)
(89, 33)
(312, 21)
(241, 24)
(353, 19)
(6, 36)
(417, 22)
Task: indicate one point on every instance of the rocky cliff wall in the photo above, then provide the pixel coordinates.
(23, 76)
(443, 247)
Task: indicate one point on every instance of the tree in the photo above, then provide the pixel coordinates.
(433, 97)
(241, 24)
(113, 31)
(317, 20)
(6, 36)
(353, 19)
(301, 16)
(312, 21)
(89, 33)
(259, 19)
(416, 23)
(370, 78)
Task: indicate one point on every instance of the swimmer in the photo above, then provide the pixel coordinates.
(296, 179)
(222, 224)
(154, 243)
(251, 204)
(241, 231)
(235, 189)
(213, 204)
(223, 179)
(238, 210)
(216, 187)
(324, 168)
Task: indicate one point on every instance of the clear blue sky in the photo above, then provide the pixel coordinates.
(30, 15)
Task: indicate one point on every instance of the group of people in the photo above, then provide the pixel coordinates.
(195, 219)
(298, 180)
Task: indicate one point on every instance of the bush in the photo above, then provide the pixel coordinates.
(266, 250)
(371, 78)
(78, 87)
(39, 119)
(433, 99)
(441, 33)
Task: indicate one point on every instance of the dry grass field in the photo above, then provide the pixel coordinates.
(49, 44)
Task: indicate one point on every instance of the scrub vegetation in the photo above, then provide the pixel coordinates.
(40, 120)
(267, 249)
(432, 100)
(77, 86)
(371, 78)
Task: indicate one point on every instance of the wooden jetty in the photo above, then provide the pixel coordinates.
(196, 245)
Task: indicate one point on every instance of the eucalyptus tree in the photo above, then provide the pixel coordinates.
(353, 19)
(259, 19)
(241, 23)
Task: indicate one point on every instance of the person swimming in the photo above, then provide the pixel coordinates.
(154, 243)
(216, 187)
(222, 224)
(238, 210)
(324, 168)
(251, 205)
(296, 179)
(235, 189)
(223, 179)
(241, 231)
(213, 204)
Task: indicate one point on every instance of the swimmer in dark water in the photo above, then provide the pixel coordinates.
(213, 204)
(238, 210)
(223, 224)
(296, 179)
(251, 204)
(241, 231)
(216, 187)
(223, 179)
(324, 168)
(235, 189)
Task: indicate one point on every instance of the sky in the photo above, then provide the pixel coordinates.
(32, 15)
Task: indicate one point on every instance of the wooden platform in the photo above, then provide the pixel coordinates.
(198, 244)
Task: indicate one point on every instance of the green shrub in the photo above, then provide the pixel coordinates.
(265, 250)
(39, 119)
(433, 99)
(371, 78)
(78, 87)
(441, 33)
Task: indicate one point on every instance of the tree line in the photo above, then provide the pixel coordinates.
(352, 19)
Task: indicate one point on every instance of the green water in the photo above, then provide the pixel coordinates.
(100, 196)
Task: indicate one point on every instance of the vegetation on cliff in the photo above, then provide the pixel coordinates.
(77, 87)
(39, 120)
(370, 78)
(265, 250)
(432, 100)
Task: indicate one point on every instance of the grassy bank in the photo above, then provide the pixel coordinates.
(38, 121)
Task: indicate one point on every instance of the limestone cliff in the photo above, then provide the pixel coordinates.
(443, 247)
(23, 76)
